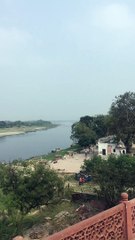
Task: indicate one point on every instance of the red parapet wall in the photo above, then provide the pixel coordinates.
(110, 224)
(130, 212)
(117, 223)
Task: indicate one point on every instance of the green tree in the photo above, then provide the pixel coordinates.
(31, 189)
(83, 134)
(122, 118)
(113, 176)
(89, 129)
(100, 125)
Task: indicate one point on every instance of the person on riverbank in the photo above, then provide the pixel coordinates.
(81, 180)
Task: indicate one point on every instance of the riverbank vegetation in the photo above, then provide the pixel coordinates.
(32, 195)
(120, 121)
(24, 189)
(59, 153)
(8, 128)
(30, 192)
(37, 123)
(112, 176)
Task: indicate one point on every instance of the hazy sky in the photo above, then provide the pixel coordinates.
(63, 59)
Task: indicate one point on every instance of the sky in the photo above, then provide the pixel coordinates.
(61, 60)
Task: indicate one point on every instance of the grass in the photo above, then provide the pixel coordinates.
(52, 156)
(17, 224)
(51, 211)
(87, 187)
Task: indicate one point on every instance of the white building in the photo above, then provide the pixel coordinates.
(108, 146)
(133, 149)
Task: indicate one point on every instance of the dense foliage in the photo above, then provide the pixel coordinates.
(113, 176)
(31, 188)
(9, 124)
(89, 129)
(122, 115)
(23, 189)
(120, 122)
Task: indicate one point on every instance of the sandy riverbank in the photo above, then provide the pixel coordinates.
(15, 131)
(4, 134)
(69, 164)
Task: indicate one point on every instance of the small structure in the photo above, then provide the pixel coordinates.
(133, 149)
(108, 145)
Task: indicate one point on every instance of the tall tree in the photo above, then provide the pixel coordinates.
(122, 116)
(83, 135)
(89, 129)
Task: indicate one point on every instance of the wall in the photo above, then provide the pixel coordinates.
(107, 146)
(117, 223)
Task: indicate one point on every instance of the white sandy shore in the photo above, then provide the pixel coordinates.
(11, 133)
(4, 134)
(69, 164)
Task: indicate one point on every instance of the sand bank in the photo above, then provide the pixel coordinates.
(4, 134)
(15, 131)
(69, 164)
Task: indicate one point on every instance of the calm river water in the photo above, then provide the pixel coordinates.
(35, 143)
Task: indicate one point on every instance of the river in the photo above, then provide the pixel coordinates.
(35, 143)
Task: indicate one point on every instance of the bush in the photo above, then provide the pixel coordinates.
(113, 176)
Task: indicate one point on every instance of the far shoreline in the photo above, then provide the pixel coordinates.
(22, 130)
(15, 144)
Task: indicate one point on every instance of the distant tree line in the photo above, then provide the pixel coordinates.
(9, 124)
(120, 121)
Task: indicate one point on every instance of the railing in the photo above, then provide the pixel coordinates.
(117, 223)
(130, 212)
